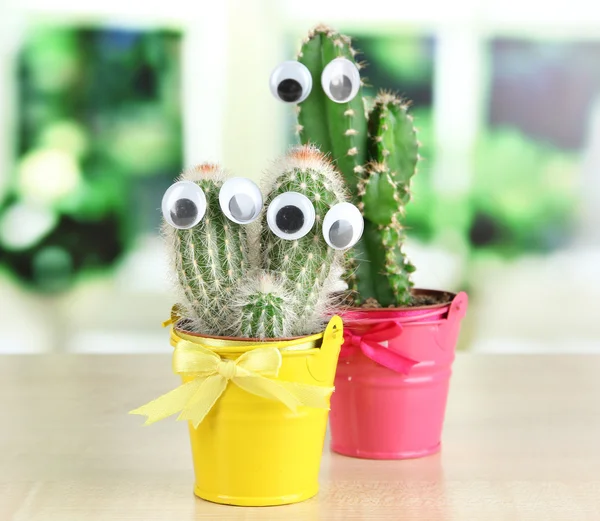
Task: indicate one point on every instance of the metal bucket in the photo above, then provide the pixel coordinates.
(393, 378)
(247, 449)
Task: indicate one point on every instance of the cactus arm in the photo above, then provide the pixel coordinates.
(397, 266)
(379, 195)
(383, 272)
(395, 152)
(391, 284)
(305, 262)
(338, 129)
(369, 282)
(393, 140)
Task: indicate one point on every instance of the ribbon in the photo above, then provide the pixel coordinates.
(381, 344)
(175, 316)
(253, 372)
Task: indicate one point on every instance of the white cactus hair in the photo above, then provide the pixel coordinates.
(204, 172)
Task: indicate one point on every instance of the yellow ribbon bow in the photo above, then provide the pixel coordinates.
(252, 371)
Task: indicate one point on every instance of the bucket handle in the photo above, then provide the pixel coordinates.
(323, 363)
(447, 333)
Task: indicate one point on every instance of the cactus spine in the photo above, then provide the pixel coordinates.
(384, 162)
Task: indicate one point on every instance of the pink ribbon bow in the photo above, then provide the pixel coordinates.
(381, 344)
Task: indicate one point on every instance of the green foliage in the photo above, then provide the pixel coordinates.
(99, 134)
(525, 189)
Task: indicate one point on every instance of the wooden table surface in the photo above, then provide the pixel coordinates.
(521, 442)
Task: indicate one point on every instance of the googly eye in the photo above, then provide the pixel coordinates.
(343, 226)
(340, 80)
(240, 200)
(291, 82)
(291, 215)
(184, 205)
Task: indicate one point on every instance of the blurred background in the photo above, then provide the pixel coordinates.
(102, 104)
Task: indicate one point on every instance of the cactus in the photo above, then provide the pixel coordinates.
(263, 286)
(210, 258)
(264, 307)
(377, 167)
(393, 140)
(383, 189)
(306, 263)
(337, 129)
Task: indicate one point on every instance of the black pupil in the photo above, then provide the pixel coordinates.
(184, 213)
(289, 90)
(289, 219)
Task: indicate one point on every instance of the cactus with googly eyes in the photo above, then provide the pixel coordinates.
(278, 281)
(337, 127)
(208, 251)
(312, 263)
(377, 151)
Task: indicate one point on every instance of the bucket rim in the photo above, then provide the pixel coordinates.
(450, 296)
(248, 340)
(300, 345)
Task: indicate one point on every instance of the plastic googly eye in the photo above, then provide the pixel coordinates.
(343, 226)
(340, 80)
(183, 205)
(291, 82)
(291, 216)
(240, 200)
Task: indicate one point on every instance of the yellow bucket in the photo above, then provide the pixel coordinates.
(252, 451)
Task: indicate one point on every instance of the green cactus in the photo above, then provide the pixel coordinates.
(264, 307)
(377, 167)
(270, 283)
(209, 259)
(308, 264)
(337, 129)
(393, 140)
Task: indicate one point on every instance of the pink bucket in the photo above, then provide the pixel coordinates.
(392, 379)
